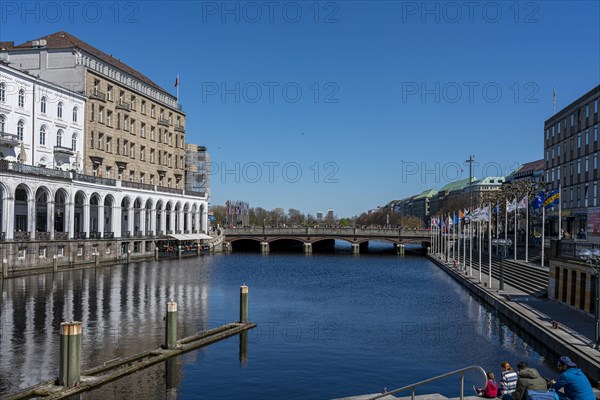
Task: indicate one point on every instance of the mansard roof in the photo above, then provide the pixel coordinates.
(64, 40)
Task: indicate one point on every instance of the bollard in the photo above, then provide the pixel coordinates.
(243, 304)
(70, 353)
(4, 268)
(128, 256)
(199, 248)
(171, 326)
(156, 253)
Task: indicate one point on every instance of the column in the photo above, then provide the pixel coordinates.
(86, 218)
(163, 222)
(172, 220)
(101, 219)
(130, 218)
(188, 217)
(181, 221)
(70, 218)
(8, 219)
(31, 217)
(204, 227)
(153, 221)
(143, 221)
(50, 219)
(115, 221)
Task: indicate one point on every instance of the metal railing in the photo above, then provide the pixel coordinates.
(64, 150)
(122, 105)
(109, 235)
(80, 235)
(96, 94)
(163, 121)
(42, 236)
(61, 235)
(180, 128)
(383, 232)
(195, 194)
(461, 371)
(94, 179)
(165, 189)
(571, 248)
(95, 235)
(125, 234)
(30, 169)
(21, 235)
(137, 185)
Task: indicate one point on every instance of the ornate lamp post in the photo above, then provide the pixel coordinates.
(592, 257)
(504, 243)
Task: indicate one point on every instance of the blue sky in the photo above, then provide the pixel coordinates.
(345, 104)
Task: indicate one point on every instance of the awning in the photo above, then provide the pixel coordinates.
(192, 236)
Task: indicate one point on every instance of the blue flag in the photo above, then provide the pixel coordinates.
(455, 219)
(552, 199)
(537, 201)
(496, 208)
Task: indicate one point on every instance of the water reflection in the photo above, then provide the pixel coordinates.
(371, 319)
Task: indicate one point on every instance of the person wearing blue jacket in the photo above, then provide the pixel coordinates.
(573, 381)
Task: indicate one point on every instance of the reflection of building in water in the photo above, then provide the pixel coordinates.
(122, 310)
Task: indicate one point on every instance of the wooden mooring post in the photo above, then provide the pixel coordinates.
(4, 268)
(171, 326)
(243, 304)
(70, 353)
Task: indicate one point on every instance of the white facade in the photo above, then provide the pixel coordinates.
(41, 124)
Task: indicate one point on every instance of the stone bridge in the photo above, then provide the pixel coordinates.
(307, 237)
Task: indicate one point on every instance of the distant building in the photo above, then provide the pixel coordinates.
(571, 151)
(531, 171)
(197, 170)
(319, 215)
(330, 215)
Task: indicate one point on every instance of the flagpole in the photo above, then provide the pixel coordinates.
(471, 246)
(178, 88)
(559, 213)
(458, 244)
(543, 225)
(464, 246)
(448, 239)
(479, 246)
(515, 235)
(490, 254)
(527, 229)
(506, 221)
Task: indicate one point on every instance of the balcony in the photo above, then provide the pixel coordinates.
(42, 236)
(61, 235)
(96, 94)
(137, 185)
(163, 121)
(9, 140)
(109, 235)
(169, 190)
(80, 235)
(123, 106)
(137, 234)
(149, 234)
(30, 169)
(21, 235)
(195, 194)
(95, 235)
(125, 234)
(94, 179)
(180, 128)
(63, 150)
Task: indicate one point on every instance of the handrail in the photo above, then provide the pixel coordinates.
(435, 378)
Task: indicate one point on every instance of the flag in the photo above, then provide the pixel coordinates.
(512, 206)
(496, 208)
(177, 81)
(537, 201)
(483, 214)
(554, 95)
(455, 219)
(522, 203)
(552, 199)
(461, 215)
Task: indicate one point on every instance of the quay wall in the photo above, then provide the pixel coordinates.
(555, 341)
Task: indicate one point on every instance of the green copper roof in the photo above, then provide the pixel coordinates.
(426, 193)
(458, 185)
(491, 180)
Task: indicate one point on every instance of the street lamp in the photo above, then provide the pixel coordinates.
(592, 257)
(504, 243)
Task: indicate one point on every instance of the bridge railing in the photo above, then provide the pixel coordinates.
(372, 232)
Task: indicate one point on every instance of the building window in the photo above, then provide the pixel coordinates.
(59, 109)
(587, 162)
(132, 150)
(595, 106)
(22, 253)
(2, 123)
(552, 130)
(59, 136)
(101, 115)
(92, 112)
(142, 153)
(132, 130)
(579, 140)
(143, 130)
(125, 147)
(20, 130)
(60, 251)
(2, 92)
(74, 142)
(133, 103)
(152, 132)
(143, 107)
(131, 176)
(585, 196)
(21, 101)
(109, 93)
(587, 136)
(595, 133)
(75, 114)
(108, 248)
(43, 105)
(152, 179)
(43, 135)
(587, 111)
(42, 252)
(100, 141)
(91, 140)
(108, 144)
(142, 176)
(578, 167)
(152, 156)
(152, 111)
(125, 122)
(108, 170)
(79, 250)
(595, 162)
(595, 194)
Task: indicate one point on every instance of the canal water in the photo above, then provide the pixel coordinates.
(329, 325)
